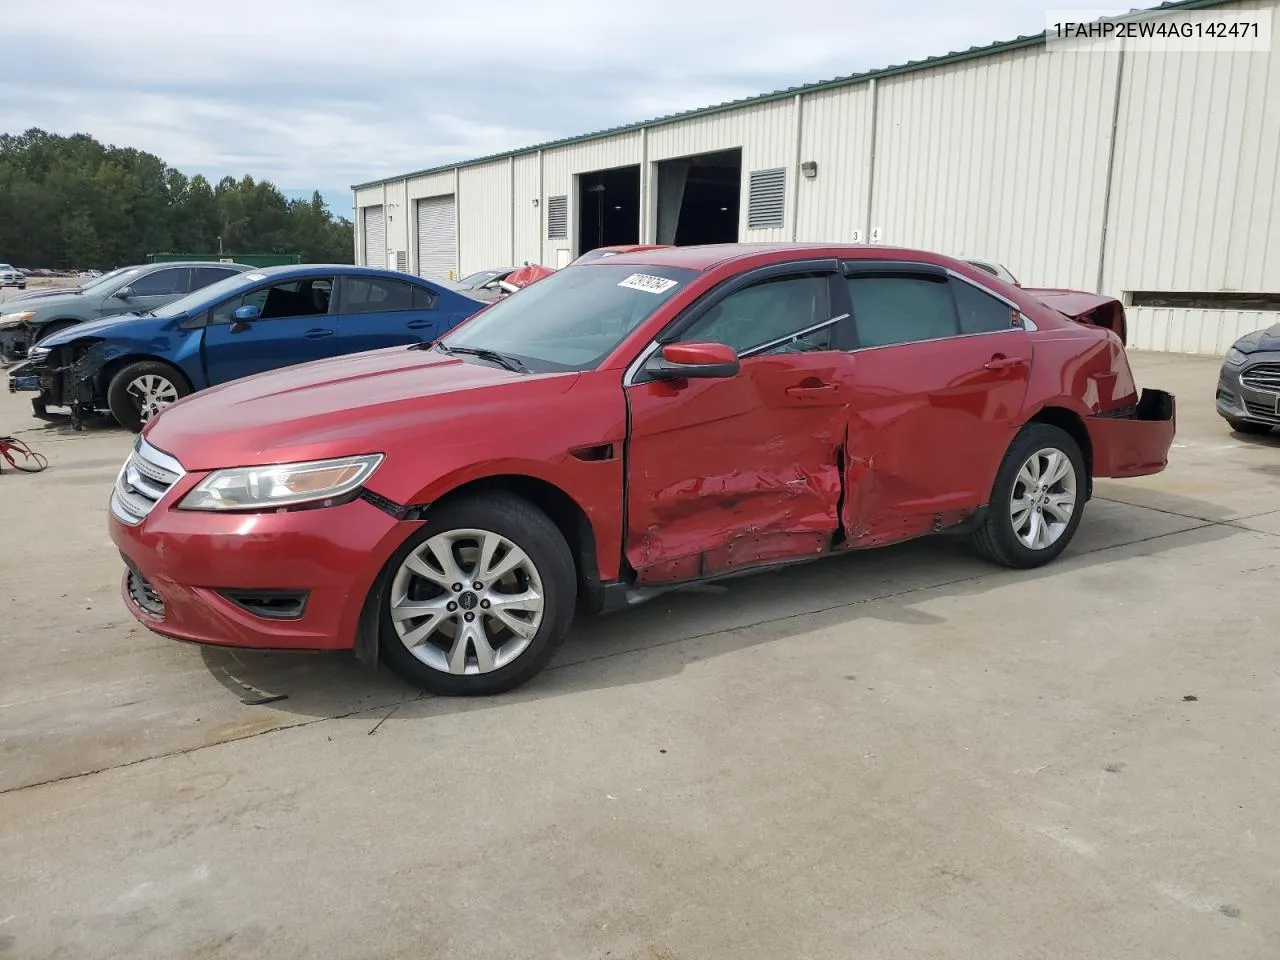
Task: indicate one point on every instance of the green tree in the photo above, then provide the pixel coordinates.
(71, 202)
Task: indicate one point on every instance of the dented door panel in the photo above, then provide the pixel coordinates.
(734, 472)
(929, 424)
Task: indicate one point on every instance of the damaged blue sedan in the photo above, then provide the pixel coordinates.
(136, 364)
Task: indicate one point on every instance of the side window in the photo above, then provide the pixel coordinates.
(768, 311)
(163, 283)
(902, 309)
(378, 295)
(203, 276)
(297, 298)
(980, 312)
(424, 299)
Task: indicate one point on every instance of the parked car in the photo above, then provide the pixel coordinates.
(616, 430)
(1249, 382)
(484, 284)
(136, 364)
(11, 276)
(130, 289)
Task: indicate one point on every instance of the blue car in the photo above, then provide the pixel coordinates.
(136, 364)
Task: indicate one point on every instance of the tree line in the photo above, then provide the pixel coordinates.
(73, 203)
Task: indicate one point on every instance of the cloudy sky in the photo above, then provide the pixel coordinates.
(326, 93)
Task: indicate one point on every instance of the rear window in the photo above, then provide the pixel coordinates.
(574, 318)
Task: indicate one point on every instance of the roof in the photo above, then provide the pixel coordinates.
(327, 269)
(704, 257)
(956, 56)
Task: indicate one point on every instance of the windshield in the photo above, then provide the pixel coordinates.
(207, 296)
(574, 318)
(118, 274)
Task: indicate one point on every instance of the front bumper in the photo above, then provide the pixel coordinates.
(1251, 391)
(220, 578)
(23, 378)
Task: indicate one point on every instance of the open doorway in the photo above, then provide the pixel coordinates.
(608, 208)
(698, 198)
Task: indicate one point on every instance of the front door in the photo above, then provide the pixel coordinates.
(149, 291)
(295, 323)
(940, 372)
(745, 470)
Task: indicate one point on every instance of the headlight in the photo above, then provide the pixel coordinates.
(1235, 358)
(8, 320)
(280, 484)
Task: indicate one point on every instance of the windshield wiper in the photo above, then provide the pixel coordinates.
(501, 359)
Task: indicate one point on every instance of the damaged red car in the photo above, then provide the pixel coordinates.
(618, 429)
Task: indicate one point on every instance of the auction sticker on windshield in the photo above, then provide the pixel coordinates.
(642, 281)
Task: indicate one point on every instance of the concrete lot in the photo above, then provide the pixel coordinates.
(904, 753)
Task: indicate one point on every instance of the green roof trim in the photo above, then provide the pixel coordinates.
(911, 66)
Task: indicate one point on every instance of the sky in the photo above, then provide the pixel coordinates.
(321, 94)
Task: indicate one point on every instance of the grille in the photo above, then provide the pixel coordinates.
(1263, 411)
(144, 595)
(766, 199)
(145, 477)
(557, 218)
(1265, 376)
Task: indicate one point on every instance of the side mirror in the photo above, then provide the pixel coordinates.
(247, 314)
(124, 293)
(705, 361)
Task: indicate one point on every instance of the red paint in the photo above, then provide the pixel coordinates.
(792, 456)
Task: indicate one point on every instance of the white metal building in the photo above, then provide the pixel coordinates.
(1147, 175)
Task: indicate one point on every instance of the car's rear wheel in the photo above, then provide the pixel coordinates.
(477, 601)
(1037, 501)
(139, 391)
(1248, 426)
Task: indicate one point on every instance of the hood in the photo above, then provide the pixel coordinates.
(42, 302)
(38, 295)
(361, 403)
(95, 328)
(1260, 340)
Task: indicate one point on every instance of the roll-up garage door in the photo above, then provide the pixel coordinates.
(375, 237)
(437, 237)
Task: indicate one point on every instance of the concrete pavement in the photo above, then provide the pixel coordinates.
(902, 753)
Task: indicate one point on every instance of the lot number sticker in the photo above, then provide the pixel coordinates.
(642, 281)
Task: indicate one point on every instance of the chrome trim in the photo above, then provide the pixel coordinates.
(632, 371)
(791, 337)
(143, 481)
(1263, 376)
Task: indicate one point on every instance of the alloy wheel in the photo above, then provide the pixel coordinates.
(1043, 499)
(467, 601)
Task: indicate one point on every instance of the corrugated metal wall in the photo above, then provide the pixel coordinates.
(1004, 156)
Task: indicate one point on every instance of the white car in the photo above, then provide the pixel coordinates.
(12, 277)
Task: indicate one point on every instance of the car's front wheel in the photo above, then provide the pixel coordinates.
(141, 390)
(1037, 501)
(477, 601)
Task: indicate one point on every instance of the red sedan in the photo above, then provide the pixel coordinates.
(620, 428)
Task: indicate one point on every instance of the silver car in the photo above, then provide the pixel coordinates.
(1249, 382)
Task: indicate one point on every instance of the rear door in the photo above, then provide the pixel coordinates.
(744, 470)
(297, 322)
(940, 372)
(380, 311)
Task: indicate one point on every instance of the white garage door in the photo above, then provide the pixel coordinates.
(375, 237)
(437, 237)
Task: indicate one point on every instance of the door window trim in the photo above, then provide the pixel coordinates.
(828, 266)
(851, 268)
(208, 313)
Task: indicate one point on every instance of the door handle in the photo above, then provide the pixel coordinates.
(420, 324)
(318, 333)
(814, 391)
(1001, 362)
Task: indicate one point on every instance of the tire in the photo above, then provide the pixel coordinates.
(155, 386)
(1248, 426)
(998, 539)
(494, 657)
